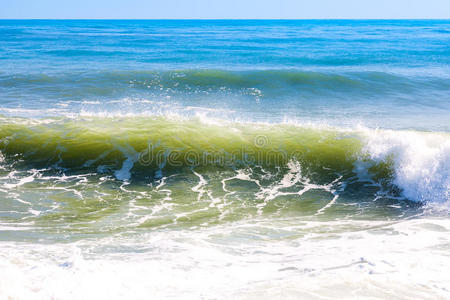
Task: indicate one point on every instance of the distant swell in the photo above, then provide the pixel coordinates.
(269, 81)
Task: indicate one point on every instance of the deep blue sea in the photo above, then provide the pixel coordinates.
(213, 159)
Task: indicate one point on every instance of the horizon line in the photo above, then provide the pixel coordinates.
(225, 19)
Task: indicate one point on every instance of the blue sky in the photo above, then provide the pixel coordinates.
(228, 9)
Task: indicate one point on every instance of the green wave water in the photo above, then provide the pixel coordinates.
(93, 142)
(208, 172)
(168, 172)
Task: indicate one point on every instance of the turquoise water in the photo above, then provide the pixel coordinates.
(227, 158)
(261, 70)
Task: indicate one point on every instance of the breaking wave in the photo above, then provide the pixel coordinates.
(134, 148)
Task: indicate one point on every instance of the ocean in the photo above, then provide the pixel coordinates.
(215, 159)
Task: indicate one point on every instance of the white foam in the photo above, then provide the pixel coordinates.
(132, 156)
(421, 161)
(340, 259)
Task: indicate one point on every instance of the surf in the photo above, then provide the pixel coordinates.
(150, 147)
